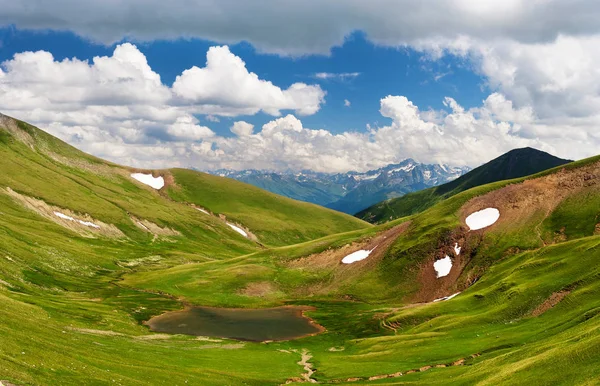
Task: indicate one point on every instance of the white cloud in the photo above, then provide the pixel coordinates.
(227, 85)
(347, 103)
(120, 100)
(241, 128)
(186, 127)
(336, 76)
(117, 108)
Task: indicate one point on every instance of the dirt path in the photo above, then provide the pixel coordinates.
(308, 367)
(459, 362)
(306, 377)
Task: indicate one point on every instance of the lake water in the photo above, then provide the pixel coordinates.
(282, 323)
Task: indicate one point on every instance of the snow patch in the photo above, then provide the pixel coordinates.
(69, 218)
(238, 229)
(357, 256)
(457, 249)
(363, 177)
(446, 298)
(427, 174)
(88, 224)
(64, 216)
(443, 266)
(203, 211)
(148, 179)
(483, 218)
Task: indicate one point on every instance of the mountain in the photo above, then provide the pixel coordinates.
(349, 192)
(93, 253)
(514, 164)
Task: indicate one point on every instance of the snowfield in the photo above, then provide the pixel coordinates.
(238, 230)
(155, 182)
(357, 256)
(483, 218)
(443, 266)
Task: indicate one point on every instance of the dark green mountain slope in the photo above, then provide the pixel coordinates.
(514, 164)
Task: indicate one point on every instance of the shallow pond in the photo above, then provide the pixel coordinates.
(282, 323)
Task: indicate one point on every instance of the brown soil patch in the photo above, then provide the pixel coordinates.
(150, 227)
(431, 287)
(331, 259)
(47, 211)
(553, 300)
(10, 125)
(518, 203)
(258, 289)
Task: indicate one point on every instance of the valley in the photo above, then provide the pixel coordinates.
(91, 251)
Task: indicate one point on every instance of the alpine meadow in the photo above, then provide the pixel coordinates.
(321, 192)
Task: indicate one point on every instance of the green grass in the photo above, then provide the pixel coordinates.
(73, 306)
(276, 220)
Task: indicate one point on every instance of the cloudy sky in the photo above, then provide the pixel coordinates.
(330, 86)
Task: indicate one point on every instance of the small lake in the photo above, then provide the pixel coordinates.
(282, 323)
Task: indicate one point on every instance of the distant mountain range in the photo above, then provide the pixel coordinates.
(353, 191)
(516, 163)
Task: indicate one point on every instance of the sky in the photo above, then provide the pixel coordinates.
(329, 86)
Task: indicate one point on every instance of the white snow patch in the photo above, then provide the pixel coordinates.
(427, 174)
(483, 218)
(362, 177)
(88, 224)
(408, 168)
(446, 298)
(202, 210)
(457, 249)
(238, 230)
(148, 179)
(357, 256)
(64, 216)
(443, 266)
(69, 218)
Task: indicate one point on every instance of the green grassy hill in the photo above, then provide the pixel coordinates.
(73, 301)
(514, 164)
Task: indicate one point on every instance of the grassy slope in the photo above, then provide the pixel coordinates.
(58, 289)
(514, 164)
(276, 220)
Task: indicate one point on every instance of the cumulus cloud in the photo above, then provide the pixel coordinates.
(454, 135)
(119, 99)
(226, 85)
(347, 103)
(186, 127)
(242, 129)
(116, 107)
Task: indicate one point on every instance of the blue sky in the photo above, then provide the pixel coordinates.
(383, 71)
(232, 84)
